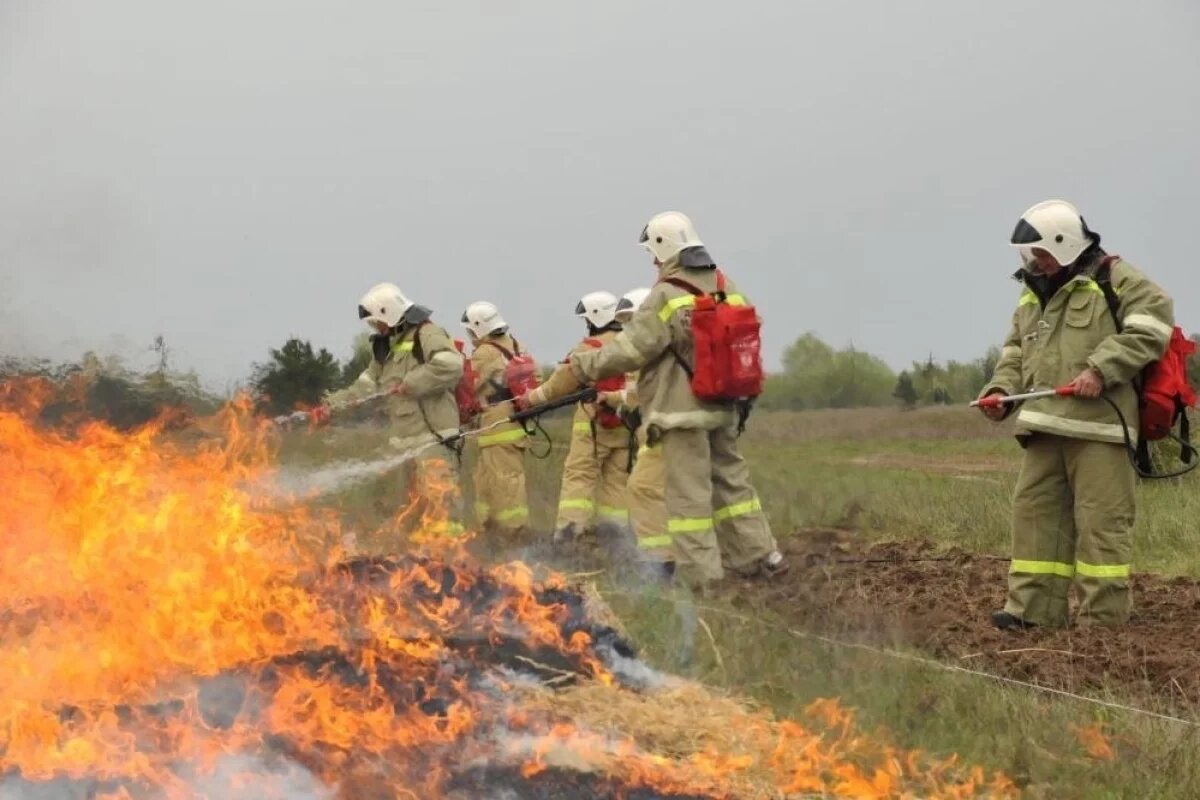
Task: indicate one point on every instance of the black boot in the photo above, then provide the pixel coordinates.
(1007, 622)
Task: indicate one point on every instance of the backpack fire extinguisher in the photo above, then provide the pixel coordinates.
(727, 346)
(607, 417)
(1164, 392)
(520, 371)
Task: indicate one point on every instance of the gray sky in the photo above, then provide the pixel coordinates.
(229, 173)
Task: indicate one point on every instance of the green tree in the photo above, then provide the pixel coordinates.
(294, 375)
(817, 376)
(905, 392)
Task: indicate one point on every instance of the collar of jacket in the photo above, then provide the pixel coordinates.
(1084, 268)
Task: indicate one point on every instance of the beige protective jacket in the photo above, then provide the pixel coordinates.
(424, 360)
(1053, 339)
(653, 343)
(489, 362)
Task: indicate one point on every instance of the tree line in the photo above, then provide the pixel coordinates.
(815, 375)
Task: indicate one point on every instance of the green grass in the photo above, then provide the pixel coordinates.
(941, 474)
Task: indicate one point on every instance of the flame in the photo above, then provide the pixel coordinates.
(1095, 741)
(168, 631)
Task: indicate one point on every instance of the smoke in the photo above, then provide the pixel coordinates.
(235, 777)
(338, 476)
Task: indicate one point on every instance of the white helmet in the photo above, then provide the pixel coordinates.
(482, 318)
(384, 303)
(1054, 226)
(598, 308)
(630, 302)
(667, 234)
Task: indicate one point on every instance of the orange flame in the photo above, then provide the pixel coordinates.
(160, 621)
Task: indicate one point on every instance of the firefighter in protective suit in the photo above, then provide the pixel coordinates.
(1073, 509)
(592, 498)
(417, 364)
(646, 487)
(499, 477)
(714, 517)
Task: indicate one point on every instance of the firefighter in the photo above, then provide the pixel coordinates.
(592, 498)
(499, 475)
(645, 489)
(417, 364)
(1073, 509)
(713, 512)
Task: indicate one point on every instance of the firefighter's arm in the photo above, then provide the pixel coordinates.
(365, 384)
(644, 338)
(443, 367)
(1006, 377)
(1147, 318)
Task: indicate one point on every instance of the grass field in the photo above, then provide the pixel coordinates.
(938, 474)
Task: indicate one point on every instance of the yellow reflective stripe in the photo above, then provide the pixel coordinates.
(582, 427)
(1109, 431)
(1088, 285)
(674, 304)
(503, 437)
(646, 448)
(652, 542)
(1147, 322)
(738, 509)
(613, 511)
(1028, 299)
(578, 502)
(509, 514)
(689, 525)
(1042, 568)
(403, 347)
(735, 300)
(1103, 570)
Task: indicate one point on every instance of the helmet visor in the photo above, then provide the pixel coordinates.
(1024, 233)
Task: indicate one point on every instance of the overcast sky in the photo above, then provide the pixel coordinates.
(229, 173)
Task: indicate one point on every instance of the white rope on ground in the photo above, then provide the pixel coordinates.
(942, 665)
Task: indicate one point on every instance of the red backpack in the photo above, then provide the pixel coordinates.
(464, 391)
(727, 342)
(1164, 392)
(605, 415)
(520, 370)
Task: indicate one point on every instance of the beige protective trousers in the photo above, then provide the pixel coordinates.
(648, 505)
(499, 479)
(713, 513)
(1073, 514)
(594, 476)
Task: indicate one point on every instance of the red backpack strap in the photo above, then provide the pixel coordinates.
(592, 341)
(720, 281)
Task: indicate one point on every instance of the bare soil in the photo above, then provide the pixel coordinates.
(910, 594)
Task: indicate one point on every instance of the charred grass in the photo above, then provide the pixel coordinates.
(940, 475)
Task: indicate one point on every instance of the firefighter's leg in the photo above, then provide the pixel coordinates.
(576, 499)
(743, 532)
(1105, 505)
(500, 490)
(1043, 535)
(688, 494)
(612, 502)
(647, 506)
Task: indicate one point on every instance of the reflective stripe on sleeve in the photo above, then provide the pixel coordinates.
(1149, 323)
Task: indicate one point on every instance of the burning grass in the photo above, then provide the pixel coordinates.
(167, 633)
